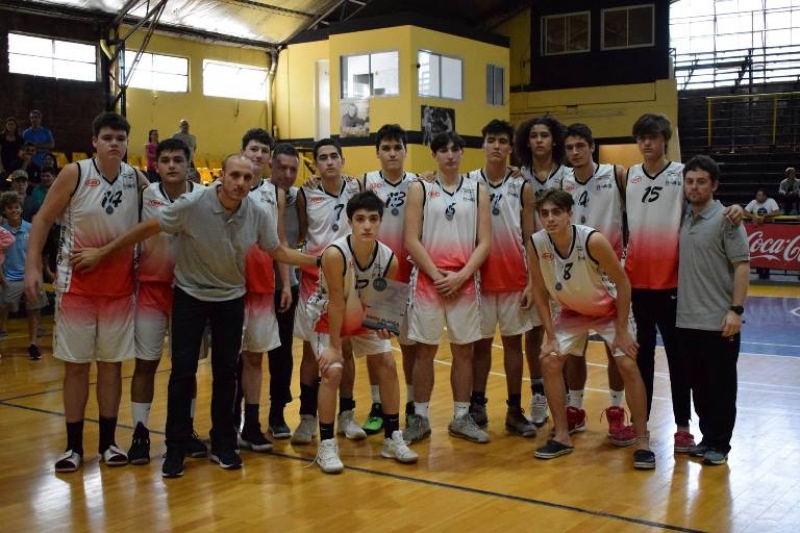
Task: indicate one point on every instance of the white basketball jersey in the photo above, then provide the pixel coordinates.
(505, 270)
(259, 272)
(575, 281)
(654, 205)
(553, 181)
(98, 212)
(598, 203)
(357, 278)
(157, 254)
(326, 215)
(450, 223)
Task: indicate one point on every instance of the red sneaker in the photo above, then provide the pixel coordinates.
(624, 437)
(684, 441)
(576, 420)
(616, 419)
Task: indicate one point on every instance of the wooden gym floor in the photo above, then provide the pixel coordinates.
(456, 485)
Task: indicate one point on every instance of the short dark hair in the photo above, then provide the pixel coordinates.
(9, 198)
(390, 132)
(28, 144)
(652, 123)
(48, 170)
(367, 200)
(326, 142)
(580, 130)
(169, 145)
(441, 140)
(497, 127)
(284, 149)
(705, 163)
(559, 197)
(111, 120)
(259, 135)
(522, 148)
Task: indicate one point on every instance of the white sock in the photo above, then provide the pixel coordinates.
(409, 393)
(141, 413)
(191, 409)
(376, 393)
(421, 409)
(460, 409)
(575, 399)
(617, 397)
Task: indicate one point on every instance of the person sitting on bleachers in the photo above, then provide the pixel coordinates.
(761, 209)
(789, 193)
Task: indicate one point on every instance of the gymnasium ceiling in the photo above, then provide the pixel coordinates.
(274, 22)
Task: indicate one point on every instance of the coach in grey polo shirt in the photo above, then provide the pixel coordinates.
(713, 276)
(216, 227)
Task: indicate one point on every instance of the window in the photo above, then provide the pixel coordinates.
(495, 85)
(40, 56)
(231, 80)
(565, 34)
(440, 76)
(158, 72)
(628, 27)
(370, 75)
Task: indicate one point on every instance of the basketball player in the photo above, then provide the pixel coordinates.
(96, 200)
(448, 234)
(503, 279)
(577, 266)
(155, 275)
(351, 265)
(390, 183)
(540, 149)
(320, 210)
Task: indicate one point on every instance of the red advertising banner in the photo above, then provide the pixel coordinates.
(774, 245)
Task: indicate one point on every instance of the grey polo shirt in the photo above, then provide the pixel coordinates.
(709, 247)
(213, 242)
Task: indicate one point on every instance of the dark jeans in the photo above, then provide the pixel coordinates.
(280, 359)
(189, 317)
(713, 359)
(658, 308)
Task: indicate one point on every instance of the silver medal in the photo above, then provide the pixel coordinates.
(559, 286)
(395, 211)
(495, 211)
(109, 210)
(335, 226)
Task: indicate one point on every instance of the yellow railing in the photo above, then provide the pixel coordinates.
(776, 97)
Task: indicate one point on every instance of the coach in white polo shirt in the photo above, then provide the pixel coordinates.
(215, 227)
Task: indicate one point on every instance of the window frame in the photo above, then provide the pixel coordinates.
(53, 57)
(241, 66)
(628, 33)
(491, 97)
(372, 94)
(187, 75)
(439, 56)
(565, 16)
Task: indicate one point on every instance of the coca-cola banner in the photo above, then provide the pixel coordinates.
(774, 245)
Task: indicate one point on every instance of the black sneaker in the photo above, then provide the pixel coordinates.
(279, 429)
(253, 439)
(195, 448)
(478, 412)
(173, 464)
(227, 459)
(644, 460)
(698, 450)
(139, 452)
(33, 352)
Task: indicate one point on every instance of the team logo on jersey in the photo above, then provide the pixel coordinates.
(601, 186)
(569, 187)
(548, 256)
(155, 203)
(469, 195)
(674, 180)
(375, 186)
(636, 179)
(513, 190)
(92, 182)
(433, 194)
(316, 199)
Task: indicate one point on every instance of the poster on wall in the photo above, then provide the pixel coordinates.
(355, 118)
(436, 120)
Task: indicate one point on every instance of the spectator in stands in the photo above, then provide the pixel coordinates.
(150, 153)
(10, 146)
(189, 139)
(19, 183)
(789, 192)
(41, 137)
(33, 202)
(760, 210)
(26, 162)
(51, 161)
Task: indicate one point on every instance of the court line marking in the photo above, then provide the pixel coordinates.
(432, 483)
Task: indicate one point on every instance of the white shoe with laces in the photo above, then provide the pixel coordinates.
(305, 430)
(328, 457)
(349, 427)
(397, 449)
(538, 410)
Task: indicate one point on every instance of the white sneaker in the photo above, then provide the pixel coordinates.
(349, 427)
(538, 410)
(306, 430)
(328, 457)
(397, 449)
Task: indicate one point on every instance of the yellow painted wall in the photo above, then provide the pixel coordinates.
(218, 123)
(518, 31)
(295, 85)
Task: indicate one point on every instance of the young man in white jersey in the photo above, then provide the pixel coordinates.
(155, 275)
(322, 219)
(351, 266)
(503, 279)
(96, 199)
(390, 183)
(579, 269)
(598, 192)
(261, 326)
(539, 147)
(284, 165)
(448, 234)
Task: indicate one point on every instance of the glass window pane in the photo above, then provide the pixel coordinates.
(428, 74)
(26, 44)
(170, 64)
(490, 84)
(451, 78)
(35, 66)
(73, 70)
(74, 51)
(170, 82)
(615, 28)
(385, 71)
(640, 26)
(233, 81)
(555, 35)
(355, 76)
(578, 32)
(499, 86)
